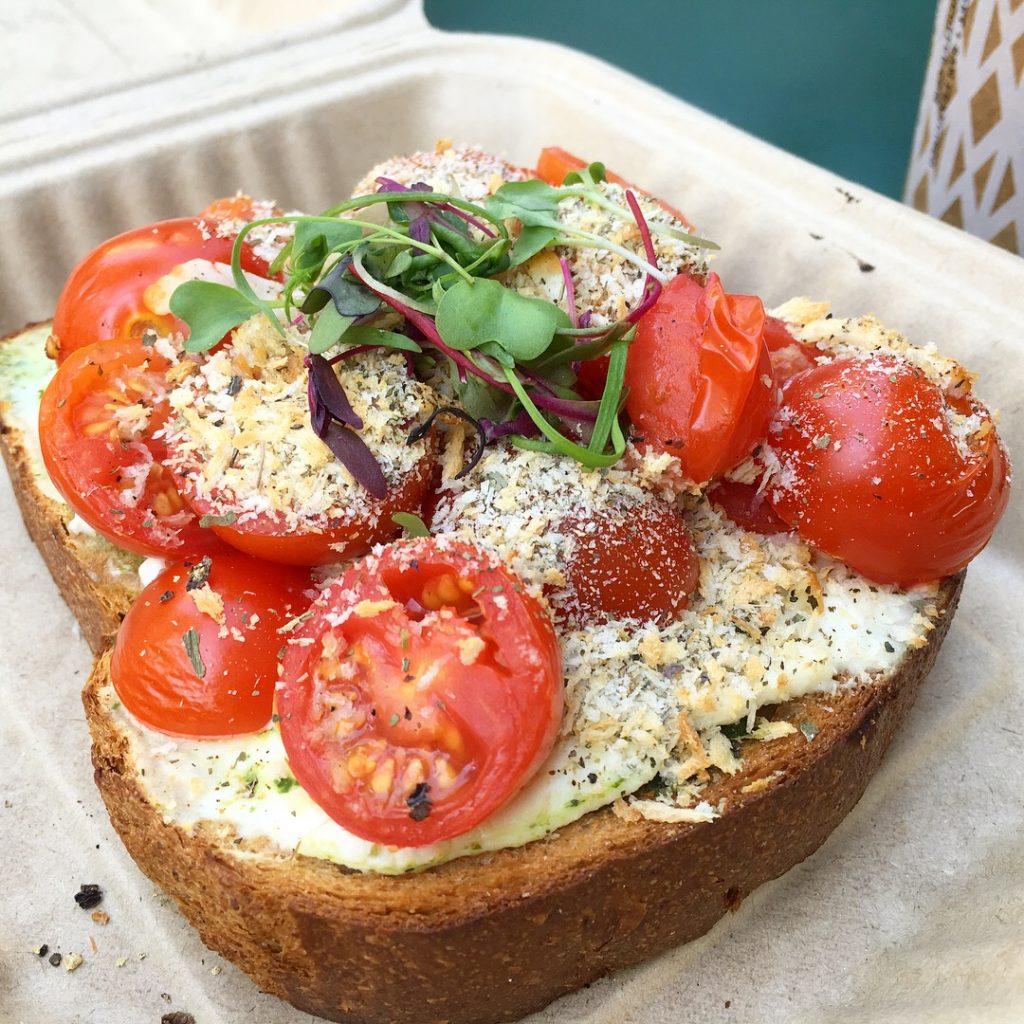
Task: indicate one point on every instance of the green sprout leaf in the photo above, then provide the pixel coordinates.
(411, 524)
(531, 241)
(470, 314)
(532, 203)
(210, 310)
(377, 336)
(329, 329)
(328, 234)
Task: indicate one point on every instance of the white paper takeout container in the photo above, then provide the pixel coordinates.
(914, 909)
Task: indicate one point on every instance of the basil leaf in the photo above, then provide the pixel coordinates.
(472, 313)
(210, 310)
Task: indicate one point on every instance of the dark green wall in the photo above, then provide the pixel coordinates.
(836, 81)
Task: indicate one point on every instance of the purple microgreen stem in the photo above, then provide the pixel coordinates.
(392, 186)
(417, 433)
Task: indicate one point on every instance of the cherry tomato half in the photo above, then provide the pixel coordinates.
(789, 355)
(554, 163)
(874, 474)
(430, 692)
(197, 653)
(267, 535)
(636, 563)
(97, 419)
(700, 380)
(105, 295)
(747, 506)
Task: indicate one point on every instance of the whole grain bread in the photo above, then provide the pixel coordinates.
(494, 937)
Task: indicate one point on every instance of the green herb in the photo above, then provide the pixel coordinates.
(735, 730)
(210, 310)
(211, 520)
(435, 261)
(809, 729)
(199, 573)
(411, 524)
(286, 784)
(472, 314)
(191, 641)
(394, 719)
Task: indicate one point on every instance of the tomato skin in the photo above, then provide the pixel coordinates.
(104, 296)
(747, 506)
(93, 468)
(789, 356)
(872, 475)
(151, 669)
(554, 163)
(266, 536)
(636, 563)
(699, 374)
(430, 692)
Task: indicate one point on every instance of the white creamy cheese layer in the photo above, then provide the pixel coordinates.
(629, 690)
(25, 370)
(768, 622)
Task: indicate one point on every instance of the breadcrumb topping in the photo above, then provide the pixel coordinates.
(242, 436)
(465, 172)
(605, 283)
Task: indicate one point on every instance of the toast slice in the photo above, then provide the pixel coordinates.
(496, 936)
(521, 926)
(97, 580)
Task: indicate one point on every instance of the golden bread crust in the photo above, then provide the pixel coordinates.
(97, 599)
(494, 937)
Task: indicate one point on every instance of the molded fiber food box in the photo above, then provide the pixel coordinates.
(914, 909)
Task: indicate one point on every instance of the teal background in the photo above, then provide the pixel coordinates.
(835, 81)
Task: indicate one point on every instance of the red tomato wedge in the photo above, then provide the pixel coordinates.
(421, 695)
(554, 163)
(97, 421)
(197, 652)
(637, 563)
(105, 295)
(876, 472)
(699, 374)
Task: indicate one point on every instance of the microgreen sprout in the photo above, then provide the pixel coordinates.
(438, 262)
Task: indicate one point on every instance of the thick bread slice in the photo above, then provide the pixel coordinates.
(97, 580)
(494, 937)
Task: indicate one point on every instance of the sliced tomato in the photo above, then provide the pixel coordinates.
(700, 379)
(268, 535)
(748, 506)
(789, 355)
(421, 695)
(97, 421)
(554, 163)
(105, 295)
(197, 653)
(634, 563)
(876, 472)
